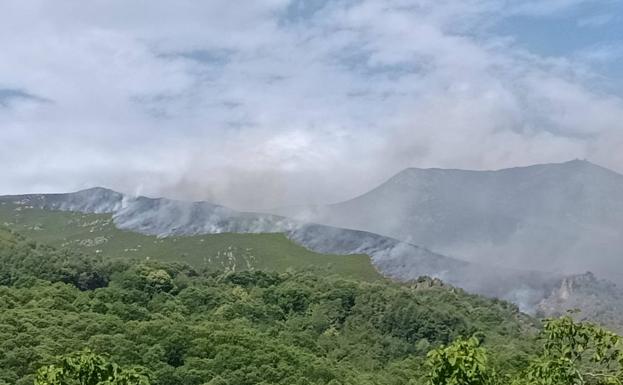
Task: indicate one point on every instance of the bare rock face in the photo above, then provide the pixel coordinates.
(585, 297)
(425, 283)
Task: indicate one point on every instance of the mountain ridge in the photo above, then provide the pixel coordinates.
(394, 258)
(547, 216)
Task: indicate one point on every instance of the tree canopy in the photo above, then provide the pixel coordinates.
(67, 318)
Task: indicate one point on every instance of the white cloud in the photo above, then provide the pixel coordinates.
(596, 20)
(546, 7)
(252, 107)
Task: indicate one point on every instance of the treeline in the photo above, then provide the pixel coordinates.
(172, 324)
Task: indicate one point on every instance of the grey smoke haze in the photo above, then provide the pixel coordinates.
(395, 259)
(279, 102)
(564, 218)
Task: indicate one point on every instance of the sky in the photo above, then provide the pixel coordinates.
(283, 102)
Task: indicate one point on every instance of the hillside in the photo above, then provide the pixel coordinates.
(186, 327)
(155, 216)
(564, 217)
(215, 237)
(171, 220)
(95, 234)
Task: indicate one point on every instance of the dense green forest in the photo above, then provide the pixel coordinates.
(169, 323)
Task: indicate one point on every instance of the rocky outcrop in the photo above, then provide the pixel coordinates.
(585, 297)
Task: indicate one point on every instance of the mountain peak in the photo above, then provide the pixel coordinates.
(578, 161)
(578, 168)
(97, 196)
(541, 216)
(570, 163)
(97, 191)
(578, 164)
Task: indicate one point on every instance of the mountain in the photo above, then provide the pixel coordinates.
(565, 217)
(166, 219)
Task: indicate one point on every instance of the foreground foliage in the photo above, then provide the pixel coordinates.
(88, 369)
(577, 353)
(573, 353)
(463, 362)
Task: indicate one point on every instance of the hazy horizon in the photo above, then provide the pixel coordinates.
(137, 193)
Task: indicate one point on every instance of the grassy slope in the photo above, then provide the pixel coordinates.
(96, 234)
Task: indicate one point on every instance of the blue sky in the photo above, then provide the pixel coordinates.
(287, 101)
(589, 31)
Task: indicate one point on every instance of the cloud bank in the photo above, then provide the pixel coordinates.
(281, 102)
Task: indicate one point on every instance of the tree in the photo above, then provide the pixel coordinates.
(463, 362)
(159, 281)
(576, 354)
(88, 369)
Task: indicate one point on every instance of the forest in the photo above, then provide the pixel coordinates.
(69, 318)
